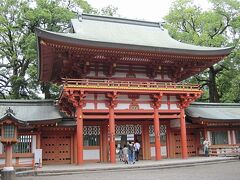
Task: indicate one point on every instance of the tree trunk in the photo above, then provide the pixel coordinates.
(213, 93)
(46, 90)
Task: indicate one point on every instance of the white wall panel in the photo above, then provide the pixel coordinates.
(164, 98)
(101, 106)
(166, 77)
(89, 106)
(141, 75)
(34, 143)
(173, 107)
(164, 106)
(123, 97)
(92, 73)
(144, 98)
(122, 106)
(1, 148)
(100, 74)
(119, 74)
(101, 97)
(91, 154)
(173, 98)
(145, 106)
(89, 97)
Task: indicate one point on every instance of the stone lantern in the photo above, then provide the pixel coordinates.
(9, 125)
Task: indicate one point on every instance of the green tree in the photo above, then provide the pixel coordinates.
(18, 20)
(216, 27)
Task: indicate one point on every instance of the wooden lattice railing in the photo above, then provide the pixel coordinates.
(139, 85)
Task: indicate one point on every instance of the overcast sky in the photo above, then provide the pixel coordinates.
(151, 10)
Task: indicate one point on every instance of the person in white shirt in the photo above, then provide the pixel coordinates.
(137, 149)
(206, 145)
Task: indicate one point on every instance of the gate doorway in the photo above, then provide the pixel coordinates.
(126, 133)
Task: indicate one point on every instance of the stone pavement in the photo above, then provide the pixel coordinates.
(48, 170)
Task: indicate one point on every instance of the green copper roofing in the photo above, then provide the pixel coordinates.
(214, 111)
(30, 110)
(112, 32)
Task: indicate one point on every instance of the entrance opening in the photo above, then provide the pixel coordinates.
(121, 140)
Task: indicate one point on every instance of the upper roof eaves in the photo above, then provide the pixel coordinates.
(112, 32)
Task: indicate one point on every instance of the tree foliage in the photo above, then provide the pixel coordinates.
(217, 26)
(18, 51)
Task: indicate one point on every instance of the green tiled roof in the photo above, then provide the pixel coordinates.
(214, 111)
(31, 110)
(112, 32)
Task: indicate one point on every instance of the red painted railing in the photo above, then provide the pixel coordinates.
(93, 83)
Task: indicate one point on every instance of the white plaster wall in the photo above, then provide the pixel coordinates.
(100, 74)
(122, 106)
(89, 106)
(92, 73)
(34, 143)
(1, 148)
(173, 98)
(159, 76)
(2, 161)
(173, 106)
(144, 106)
(123, 97)
(164, 98)
(119, 74)
(164, 106)
(101, 97)
(101, 106)
(163, 151)
(141, 75)
(90, 97)
(92, 154)
(25, 160)
(166, 77)
(144, 98)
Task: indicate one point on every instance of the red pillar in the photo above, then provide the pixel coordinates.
(8, 156)
(112, 135)
(157, 135)
(183, 134)
(79, 135)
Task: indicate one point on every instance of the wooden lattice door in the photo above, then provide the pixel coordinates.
(56, 148)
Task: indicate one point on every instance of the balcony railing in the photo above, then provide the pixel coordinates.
(131, 85)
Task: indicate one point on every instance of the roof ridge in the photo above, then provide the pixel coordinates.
(121, 20)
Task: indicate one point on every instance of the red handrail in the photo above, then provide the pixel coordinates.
(129, 84)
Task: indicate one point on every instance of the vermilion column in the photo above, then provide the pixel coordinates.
(157, 134)
(8, 160)
(112, 135)
(183, 134)
(79, 119)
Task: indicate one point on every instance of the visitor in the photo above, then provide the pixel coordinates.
(125, 154)
(121, 154)
(130, 152)
(206, 145)
(137, 149)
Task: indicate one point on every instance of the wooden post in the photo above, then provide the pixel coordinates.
(157, 135)
(183, 134)
(112, 135)
(79, 119)
(8, 155)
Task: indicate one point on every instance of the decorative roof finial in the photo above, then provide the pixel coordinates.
(9, 111)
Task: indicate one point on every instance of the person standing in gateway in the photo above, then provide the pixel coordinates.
(137, 149)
